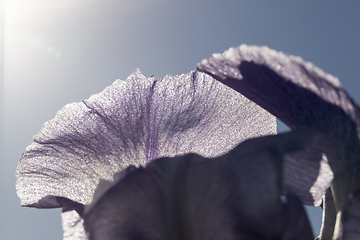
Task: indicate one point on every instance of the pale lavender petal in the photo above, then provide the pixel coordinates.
(73, 226)
(131, 123)
(234, 196)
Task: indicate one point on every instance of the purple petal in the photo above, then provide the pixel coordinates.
(131, 123)
(300, 95)
(296, 225)
(234, 196)
(307, 173)
(351, 217)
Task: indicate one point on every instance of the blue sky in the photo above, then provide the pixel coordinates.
(57, 52)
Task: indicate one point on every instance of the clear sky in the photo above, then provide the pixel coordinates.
(57, 52)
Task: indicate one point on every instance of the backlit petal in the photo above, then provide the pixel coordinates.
(133, 122)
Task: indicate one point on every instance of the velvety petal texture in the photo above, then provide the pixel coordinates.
(234, 196)
(300, 95)
(132, 122)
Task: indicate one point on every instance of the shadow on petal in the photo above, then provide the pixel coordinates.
(133, 122)
(234, 196)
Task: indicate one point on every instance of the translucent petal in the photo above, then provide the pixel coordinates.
(73, 226)
(133, 122)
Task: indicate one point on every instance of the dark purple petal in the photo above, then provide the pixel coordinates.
(351, 217)
(234, 196)
(133, 122)
(300, 95)
(296, 225)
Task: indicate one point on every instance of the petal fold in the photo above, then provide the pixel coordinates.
(300, 95)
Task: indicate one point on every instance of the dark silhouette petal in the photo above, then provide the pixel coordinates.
(295, 224)
(234, 196)
(300, 95)
(351, 218)
(132, 122)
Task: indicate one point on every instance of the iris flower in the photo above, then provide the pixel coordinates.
(187, 157)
